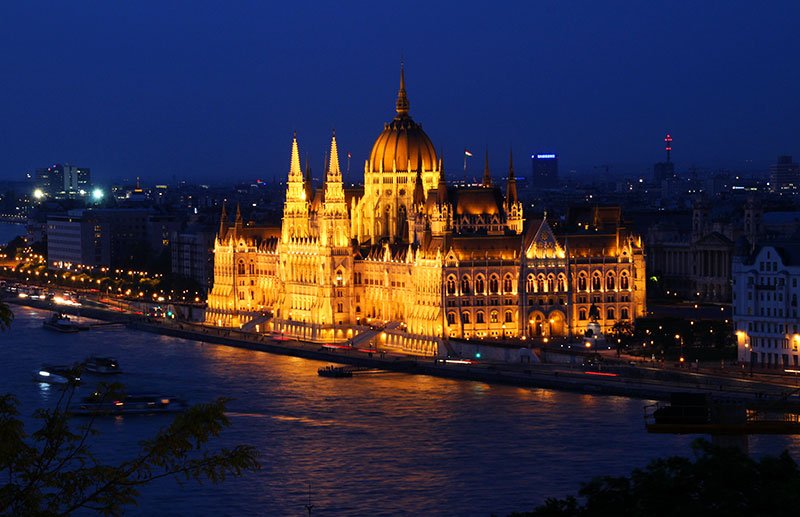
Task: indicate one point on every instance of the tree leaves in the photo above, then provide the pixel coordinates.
(54, 472)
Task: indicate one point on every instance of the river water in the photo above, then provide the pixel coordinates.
(376, 444)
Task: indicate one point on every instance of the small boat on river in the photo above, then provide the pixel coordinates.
(101, 365)
(132, 404)
(335, 371)
(61, 323)
(62, 375)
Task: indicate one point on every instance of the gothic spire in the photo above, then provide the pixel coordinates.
(223, 222)
(419, 191)
(333, 165)
(402, 98)
(511, 186)
(295, 172)
(307, 184)
(441, 189)
(238, 225)
(487, 176)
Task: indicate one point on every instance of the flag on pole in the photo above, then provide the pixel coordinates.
(467, 153)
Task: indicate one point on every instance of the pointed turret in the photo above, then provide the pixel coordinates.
(402, 98)
(295, 207)
(307, 184)
(441, 189)
(333, 166)
(238, 225)
(295, 173)
(513, 207)
(511, 186)
(419, 190)
(223, 223)
(335, 224)
(487, 176)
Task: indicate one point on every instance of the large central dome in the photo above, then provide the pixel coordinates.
(402, 140)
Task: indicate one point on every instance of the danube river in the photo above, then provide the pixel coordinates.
(376, 444)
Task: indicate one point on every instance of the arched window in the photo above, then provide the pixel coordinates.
(252, 268)
(493, 317)
(451, 285)
(507, 284)
(509, 317)
(465, 285)
(582, 282)
(596, 284)
(465, 318)
(451, 318)
(479, 317)
(480, 286)
(582, 314)
(240, 269)
(623, 313)
(623, 280)
(540, 283)
(610, 283)
(610, 313)
(339, 278)
(530, 285)
(494, 284)
(550, 283)
(562, 283)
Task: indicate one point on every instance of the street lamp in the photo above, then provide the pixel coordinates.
(680, 340)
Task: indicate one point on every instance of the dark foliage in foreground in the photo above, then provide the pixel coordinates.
(718, 482)
(54, 472)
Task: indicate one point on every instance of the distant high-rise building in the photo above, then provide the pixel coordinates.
(544, 170)
(784, 175)
(665, 170)
(76, 179)
(63, 180)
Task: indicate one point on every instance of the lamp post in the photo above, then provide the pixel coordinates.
(680, 341)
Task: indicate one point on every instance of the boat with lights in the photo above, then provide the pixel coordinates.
(131, 404)
(62, 375)
(101, 365)
(335, 371)
(60, 322)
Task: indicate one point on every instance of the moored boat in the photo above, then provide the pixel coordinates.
(56, 375)
(101, 365)
(61, 323)
(133, 404)
(334, 371)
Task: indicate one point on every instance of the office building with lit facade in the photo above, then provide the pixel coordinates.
(425, 261)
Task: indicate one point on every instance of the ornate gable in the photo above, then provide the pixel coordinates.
(544, 244)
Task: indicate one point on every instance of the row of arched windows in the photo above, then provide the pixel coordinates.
(548, 284)
(611, 314)
(597, 281)
(480, 284)
(537, 283)
(494, 317)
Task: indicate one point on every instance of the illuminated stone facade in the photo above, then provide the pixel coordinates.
(420, 260)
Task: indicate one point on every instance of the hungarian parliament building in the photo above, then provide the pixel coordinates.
(419, 260)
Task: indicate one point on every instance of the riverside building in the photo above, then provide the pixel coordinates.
(424, 261)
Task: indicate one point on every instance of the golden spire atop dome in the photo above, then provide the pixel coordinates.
(402, 98)
(403, 143)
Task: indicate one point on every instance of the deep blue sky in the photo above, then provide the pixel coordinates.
(212, 90)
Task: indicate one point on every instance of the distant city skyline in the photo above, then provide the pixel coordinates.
(212, 93)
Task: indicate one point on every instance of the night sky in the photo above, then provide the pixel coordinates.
(211, 91)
